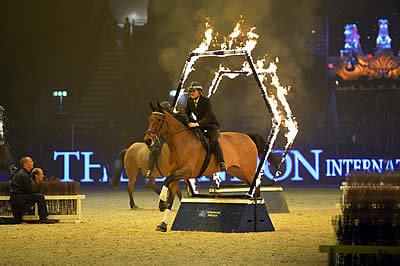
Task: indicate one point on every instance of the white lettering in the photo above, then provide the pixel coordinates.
(298, 157)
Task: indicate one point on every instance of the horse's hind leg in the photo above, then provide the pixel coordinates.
(152, 185)
(245, 175)
(132, 171)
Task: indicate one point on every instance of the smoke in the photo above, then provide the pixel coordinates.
(284, 27)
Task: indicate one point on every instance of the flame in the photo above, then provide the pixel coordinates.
(240, 38)
(251, 40)
(245, 38)
(249, 43)
(289, 121)
(208, 37)
(235, 33)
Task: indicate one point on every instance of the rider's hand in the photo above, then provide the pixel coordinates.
(193, 124)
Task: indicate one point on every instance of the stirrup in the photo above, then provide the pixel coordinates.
(148, 173)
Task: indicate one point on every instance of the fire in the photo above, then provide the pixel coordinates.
(289, 121)
(235, 34)
(240, 38)
(243, 40)
(208, 37)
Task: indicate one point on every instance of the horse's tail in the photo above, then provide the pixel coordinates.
(259, 141)
(118, 168)
(273, 158)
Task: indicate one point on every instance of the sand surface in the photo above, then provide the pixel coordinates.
(113, 234)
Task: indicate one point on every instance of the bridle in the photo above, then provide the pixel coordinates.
(157, 132)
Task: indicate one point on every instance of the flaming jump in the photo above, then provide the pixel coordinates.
(241, 42)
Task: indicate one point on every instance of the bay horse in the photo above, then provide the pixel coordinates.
(187, 154)
(135, 159)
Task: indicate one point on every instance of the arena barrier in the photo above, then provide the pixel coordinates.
(273, 196)
(333, 250)
(63, 202)
(368, 227)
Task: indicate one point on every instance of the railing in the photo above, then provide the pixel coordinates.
(59, 207)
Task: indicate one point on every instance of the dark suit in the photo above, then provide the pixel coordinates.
(205, 117)
(23, 195)
(204, 113)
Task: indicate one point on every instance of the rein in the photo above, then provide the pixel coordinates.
(157, 132)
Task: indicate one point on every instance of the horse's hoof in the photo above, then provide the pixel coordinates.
(162, 205)
(133, 206)
(162, 227)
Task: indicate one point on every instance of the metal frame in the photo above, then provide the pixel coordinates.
(275, 119)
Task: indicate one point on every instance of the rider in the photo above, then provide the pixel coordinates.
(200, 113)
(3, 124)
(4, 137)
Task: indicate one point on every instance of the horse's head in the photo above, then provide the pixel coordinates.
(157, 125)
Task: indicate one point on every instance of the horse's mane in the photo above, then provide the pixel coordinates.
(177, 116)
(181, 118)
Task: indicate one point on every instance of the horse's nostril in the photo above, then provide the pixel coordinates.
(148, 142)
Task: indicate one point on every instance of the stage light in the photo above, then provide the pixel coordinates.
(172, 93)
(313, 31)
(60, 95)
(331, 65)
(336, 82)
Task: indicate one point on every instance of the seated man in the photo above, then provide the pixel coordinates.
(37, 177)
(23, 194)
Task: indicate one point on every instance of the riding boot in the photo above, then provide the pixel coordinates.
(155, 152)
(151, 165)
(220, 156)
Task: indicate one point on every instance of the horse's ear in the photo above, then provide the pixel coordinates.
(159, 107)
(152, 107)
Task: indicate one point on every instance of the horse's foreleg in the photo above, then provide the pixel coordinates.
(163, 204)
(173, 188)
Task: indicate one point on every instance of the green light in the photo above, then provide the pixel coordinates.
(60, 93)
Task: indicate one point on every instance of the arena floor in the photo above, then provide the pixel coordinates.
(113, 234)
